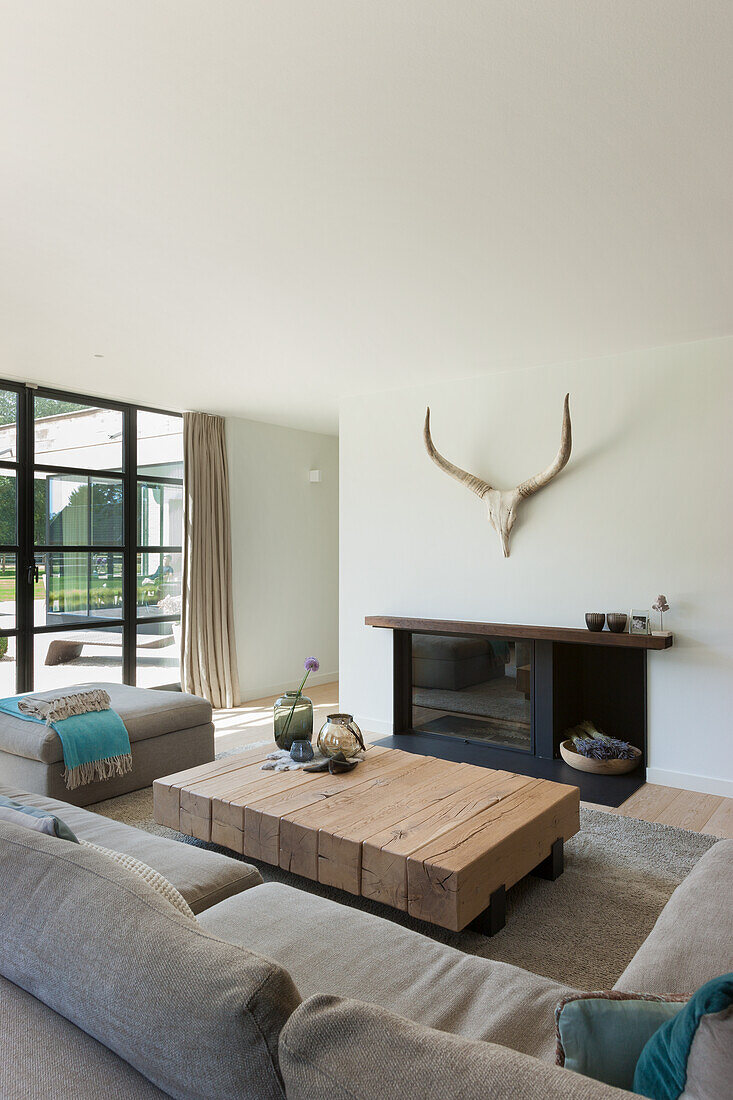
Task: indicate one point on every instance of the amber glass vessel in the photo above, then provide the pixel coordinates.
(340, 733)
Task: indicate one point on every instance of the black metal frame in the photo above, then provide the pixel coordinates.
(25, 548)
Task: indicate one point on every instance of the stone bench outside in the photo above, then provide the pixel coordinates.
(63, 650)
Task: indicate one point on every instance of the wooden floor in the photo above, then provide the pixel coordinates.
(251, 724)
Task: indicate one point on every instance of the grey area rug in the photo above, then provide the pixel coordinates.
(582, 929)
(491, 699)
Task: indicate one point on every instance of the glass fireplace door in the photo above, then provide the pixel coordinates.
(477, 688)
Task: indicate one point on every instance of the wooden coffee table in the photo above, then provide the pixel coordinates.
(440, 840)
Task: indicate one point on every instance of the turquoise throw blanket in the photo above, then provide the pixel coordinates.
(95, 745)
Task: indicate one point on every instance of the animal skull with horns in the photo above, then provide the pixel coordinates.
(503, 503)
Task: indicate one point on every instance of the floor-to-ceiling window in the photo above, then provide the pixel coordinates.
(91, 504)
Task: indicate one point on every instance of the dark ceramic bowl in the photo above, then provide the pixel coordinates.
(617, 621)
(595, 620)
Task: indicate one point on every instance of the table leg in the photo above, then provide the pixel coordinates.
(493, 918)
(553, 866)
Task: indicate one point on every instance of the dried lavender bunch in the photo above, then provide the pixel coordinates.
(602, 747)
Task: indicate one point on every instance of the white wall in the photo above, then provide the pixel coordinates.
(643, 507)
(285, 554)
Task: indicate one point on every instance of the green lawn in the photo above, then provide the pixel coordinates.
(107, 594)
(7, 587)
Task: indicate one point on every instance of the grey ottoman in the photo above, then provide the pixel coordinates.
(448, 663)
(169, 732)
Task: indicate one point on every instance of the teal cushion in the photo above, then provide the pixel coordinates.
(707, 1020)
(602, 1034)
(44, 822)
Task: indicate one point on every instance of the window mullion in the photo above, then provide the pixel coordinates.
(130, 541)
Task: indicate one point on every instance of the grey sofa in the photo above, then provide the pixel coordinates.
(106, 990)
(169, 731)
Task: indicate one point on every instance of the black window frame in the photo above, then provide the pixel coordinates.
(25, 549)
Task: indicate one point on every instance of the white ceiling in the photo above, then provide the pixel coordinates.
(258, 207)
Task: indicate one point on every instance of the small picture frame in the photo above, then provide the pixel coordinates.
(639, 622)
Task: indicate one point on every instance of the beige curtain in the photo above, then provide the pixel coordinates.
(208, 651)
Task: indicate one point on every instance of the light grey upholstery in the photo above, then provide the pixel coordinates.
(332, 948)
(169, 731)
(196, 1016)
(151, 758)
(190, 1009)
(203, 878)
(344, 1050)
(44, 1057)
(692, 940)
(145, 712)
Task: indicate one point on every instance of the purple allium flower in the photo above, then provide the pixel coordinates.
(311, 664)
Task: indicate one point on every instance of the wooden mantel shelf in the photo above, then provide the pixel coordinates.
(508, 630)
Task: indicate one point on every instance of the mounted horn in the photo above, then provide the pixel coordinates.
(561, 458)
(502, 503)
(475, 484)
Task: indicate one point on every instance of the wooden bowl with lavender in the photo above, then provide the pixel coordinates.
(582, 763)
(589, 750)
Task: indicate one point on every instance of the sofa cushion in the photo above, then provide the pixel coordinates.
(344, 1050)
(33, 818)
(439, 647)
(145, 712)
(332, 948)
(44, 1057)
(692, 940)
(603, 1034)
(203, 878)
(198, 1017)
(690, 1057)
(153, 878)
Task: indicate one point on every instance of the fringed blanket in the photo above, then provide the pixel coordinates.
(56, 708)
(93, 737)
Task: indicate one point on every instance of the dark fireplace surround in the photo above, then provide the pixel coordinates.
(572, 675)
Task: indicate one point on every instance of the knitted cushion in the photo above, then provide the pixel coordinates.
(153, 878)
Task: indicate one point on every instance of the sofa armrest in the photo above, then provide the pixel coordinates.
(346, 1050)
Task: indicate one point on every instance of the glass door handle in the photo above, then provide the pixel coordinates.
(33, 574)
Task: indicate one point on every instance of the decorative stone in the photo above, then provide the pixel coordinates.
(319, 766)
(339, 763)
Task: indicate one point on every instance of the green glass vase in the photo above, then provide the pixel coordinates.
(299, 727)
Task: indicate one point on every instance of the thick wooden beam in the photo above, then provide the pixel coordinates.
(579, 636)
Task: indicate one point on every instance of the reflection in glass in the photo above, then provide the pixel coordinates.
(159, 444)
(76, 586)
(477, 688)
(74, 510)
(77, 656)
(159, 514)
(8, 426)
(70, 434)
(8, 666)
(158, 654)
(8, 508)
(7, 591)
(159, 584)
